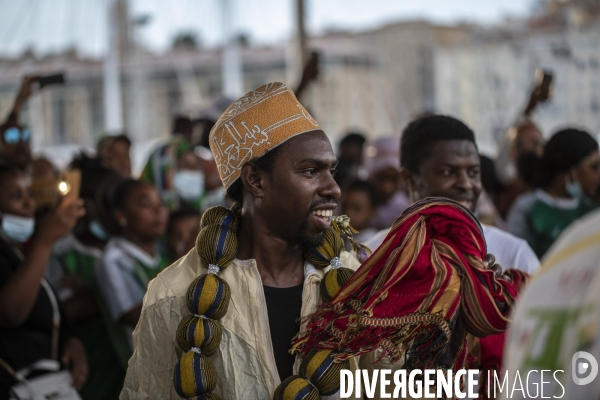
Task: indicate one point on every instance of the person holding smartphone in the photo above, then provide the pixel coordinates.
(33, 326)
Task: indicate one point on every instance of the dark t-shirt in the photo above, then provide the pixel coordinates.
(284, 306)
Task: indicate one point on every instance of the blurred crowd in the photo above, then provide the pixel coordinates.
(74, 269)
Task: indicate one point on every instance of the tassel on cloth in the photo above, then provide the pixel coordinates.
(342, 224)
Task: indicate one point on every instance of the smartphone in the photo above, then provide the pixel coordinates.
(69, 186)
(45, 192)
(54, 79)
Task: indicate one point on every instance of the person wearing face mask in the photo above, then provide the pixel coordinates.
(33, 326)
(72, 271)
(188, 181)
(214, 193)
(567, 178)
(175, 171)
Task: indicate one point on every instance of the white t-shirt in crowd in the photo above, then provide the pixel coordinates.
(118, 279)
(121, 278)
(509, 250)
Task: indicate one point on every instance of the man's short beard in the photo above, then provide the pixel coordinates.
(309, 240)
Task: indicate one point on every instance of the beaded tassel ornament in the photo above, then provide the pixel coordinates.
(207, 298)
(341, 223)
(319, 373)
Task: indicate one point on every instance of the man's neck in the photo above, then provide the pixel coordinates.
(279, 262)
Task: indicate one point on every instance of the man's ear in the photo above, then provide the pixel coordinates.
(253, 180)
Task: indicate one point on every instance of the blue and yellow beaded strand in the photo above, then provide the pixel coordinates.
(208, 296)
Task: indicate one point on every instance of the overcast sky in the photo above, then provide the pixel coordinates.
(52, 25)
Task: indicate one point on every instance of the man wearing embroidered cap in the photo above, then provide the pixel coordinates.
(277, 167)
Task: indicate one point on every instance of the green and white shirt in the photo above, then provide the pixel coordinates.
(540, 218)
(106, 371)
(122, 276)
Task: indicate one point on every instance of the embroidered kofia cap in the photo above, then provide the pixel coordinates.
(255, 123)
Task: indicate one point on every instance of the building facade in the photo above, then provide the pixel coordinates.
(487, 83)
(374, 82)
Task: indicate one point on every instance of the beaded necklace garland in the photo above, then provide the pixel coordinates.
(208, 296)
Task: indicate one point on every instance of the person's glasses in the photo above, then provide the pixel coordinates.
(13, 135)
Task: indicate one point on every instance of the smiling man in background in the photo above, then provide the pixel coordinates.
(439, 157)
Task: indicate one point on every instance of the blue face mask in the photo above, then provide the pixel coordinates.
(98, 230)
(19, 229)
(573, 188)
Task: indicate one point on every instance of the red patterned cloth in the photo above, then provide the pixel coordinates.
(490, 349)
(419, 293)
